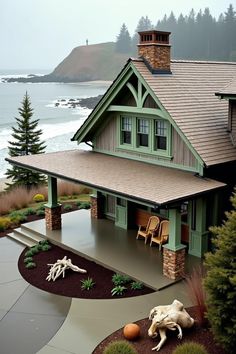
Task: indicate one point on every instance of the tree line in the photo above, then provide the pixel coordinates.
(196, 36)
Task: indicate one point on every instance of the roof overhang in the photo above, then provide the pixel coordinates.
(134, 180)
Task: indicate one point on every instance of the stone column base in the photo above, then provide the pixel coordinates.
(53, 218)
(96, 207)
(173, 263)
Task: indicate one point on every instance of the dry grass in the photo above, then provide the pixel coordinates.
(197, 293)
(20, 197)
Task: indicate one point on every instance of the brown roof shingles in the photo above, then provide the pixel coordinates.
(189, 97)
(133, 179)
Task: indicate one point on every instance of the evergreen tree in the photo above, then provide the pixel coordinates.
(26, 142)
(144, 24)
(123, 42)
(220, 282)
(230, 29)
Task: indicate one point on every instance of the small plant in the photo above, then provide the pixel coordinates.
(119, 279)
(17, 217)
(45, 247)
(67, 207)
(136, 285)
(29, 253)
(30, 265)
(120, 347)
(28, 259)
(83, 205)
(118, 290)
(37, 198)
(87, 284)
(40, 212)
(5, 223)
(41, 207)
(29, 211)
(35, 249)
(190, 347)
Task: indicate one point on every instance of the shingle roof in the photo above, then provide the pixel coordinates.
(189, 97)
(132, 179)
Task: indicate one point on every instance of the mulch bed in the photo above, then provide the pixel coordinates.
(144, 344)
(71, 284)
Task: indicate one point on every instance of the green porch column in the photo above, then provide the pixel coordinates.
(52, 208)
(198, 242)
(174, 251)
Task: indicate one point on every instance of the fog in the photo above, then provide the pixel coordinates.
(38, 34)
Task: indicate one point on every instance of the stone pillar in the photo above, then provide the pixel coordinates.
(174, 251)
(53, 217)
(96, 202)
(173, 263)
(52, 208)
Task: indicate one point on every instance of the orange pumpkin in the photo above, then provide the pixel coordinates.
(131, 331)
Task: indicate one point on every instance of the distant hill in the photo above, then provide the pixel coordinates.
(85, 63)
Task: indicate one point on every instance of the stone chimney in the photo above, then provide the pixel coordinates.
(154, 48)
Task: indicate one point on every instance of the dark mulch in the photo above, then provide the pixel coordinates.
(71, 284)
(144, 344)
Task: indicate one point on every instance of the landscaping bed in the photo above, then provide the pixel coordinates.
(144, 344)
(71, 284)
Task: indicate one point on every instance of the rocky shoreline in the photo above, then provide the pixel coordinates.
(89, 102)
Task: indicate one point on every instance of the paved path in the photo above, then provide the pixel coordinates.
(33, 321)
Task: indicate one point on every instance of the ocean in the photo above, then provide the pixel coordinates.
(58, 122)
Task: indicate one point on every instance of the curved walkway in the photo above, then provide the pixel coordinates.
(33, 321)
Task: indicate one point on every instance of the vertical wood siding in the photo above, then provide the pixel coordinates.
(233, 115)
(106, 140)
(180, 152)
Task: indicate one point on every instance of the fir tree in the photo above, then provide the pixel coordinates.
(144, 24)
(26, 142)
(220, 282)
(123, 42)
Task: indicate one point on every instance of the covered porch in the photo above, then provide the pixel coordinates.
(116, 248)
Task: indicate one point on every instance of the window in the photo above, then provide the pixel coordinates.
(160, 135)
(142, 132)
(126, 128)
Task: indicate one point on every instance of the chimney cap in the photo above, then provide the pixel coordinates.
(154, 32)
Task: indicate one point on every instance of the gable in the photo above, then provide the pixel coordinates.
(129, 94)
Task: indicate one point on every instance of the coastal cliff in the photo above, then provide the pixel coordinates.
(84, 63)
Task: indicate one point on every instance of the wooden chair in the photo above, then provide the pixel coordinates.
(150, 229)
(163, 234)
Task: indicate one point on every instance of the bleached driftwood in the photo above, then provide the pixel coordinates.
(60, 267)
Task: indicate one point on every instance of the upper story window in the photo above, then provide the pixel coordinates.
(126, 129)
(160, 135)
(142, 132)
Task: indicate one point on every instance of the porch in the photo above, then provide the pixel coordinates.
(106, 244)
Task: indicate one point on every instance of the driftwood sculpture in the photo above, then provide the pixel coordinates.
(170, 317)
(60, 267)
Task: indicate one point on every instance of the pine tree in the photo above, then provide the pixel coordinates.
(26, 142)
(144, 24)
(220, 282)
(123, 42)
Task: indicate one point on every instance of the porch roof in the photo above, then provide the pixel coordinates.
(131, 179)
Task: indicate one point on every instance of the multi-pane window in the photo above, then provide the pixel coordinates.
(142, 132)
(126, 128)
(160, 135)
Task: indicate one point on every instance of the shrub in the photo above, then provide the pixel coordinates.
(29, 253)
(190, 348)
(28, 259)
(30, 265)
(118, 290)
(45, 247)
(120, 347)
(67, 207)
(87, 284)
(40, 212)
(29, 211)
(136, 285)
(197, 294)
(37, 198)
(5, 223)
(220, 282)
(119, 279)
(34, 249)
(83, 205)
(17, 217)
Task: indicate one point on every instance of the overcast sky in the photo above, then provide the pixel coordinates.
(38, 34)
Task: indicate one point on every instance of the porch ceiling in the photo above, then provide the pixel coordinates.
(132, 179)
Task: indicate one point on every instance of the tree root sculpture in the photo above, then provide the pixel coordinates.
(60, 267)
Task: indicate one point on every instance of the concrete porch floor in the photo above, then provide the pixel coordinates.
(111, 246)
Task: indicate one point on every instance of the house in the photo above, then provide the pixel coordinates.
(163, 143)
